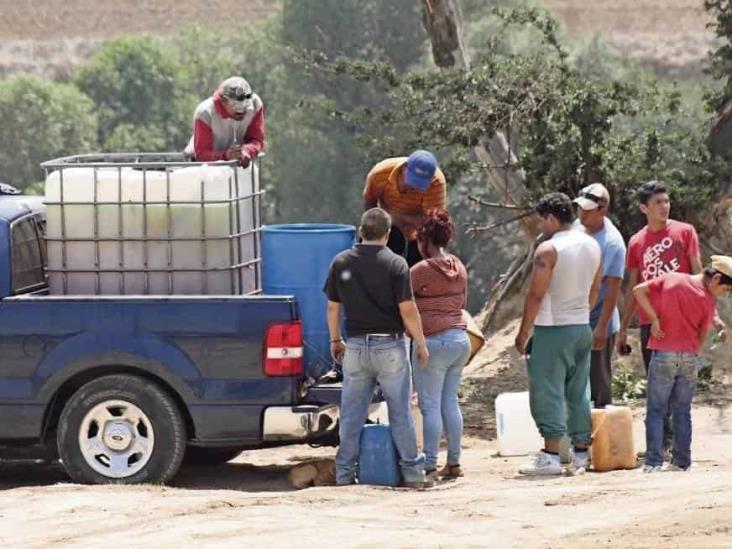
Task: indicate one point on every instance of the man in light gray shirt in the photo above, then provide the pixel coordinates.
(563, 289)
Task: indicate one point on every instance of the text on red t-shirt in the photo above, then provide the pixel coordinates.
(656, 253)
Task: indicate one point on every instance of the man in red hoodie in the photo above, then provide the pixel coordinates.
(229, 125)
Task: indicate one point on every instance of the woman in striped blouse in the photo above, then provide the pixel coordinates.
(440, 284)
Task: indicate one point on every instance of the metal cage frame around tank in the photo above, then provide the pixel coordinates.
(158, 162)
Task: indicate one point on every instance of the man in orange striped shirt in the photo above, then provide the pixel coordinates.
(407, 188)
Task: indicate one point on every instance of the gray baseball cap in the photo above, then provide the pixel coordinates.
(238, 93)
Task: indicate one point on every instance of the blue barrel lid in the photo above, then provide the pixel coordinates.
(308, 227)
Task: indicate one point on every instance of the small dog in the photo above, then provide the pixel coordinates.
(318, 472)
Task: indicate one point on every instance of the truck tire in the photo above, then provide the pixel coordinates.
(197, 455)
(121, 429)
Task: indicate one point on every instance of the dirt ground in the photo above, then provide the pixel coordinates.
(249, 501)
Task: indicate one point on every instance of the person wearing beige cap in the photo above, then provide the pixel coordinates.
(681, 308)
(593, 203)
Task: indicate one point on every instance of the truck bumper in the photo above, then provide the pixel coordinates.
(293, 423)
(298, 422)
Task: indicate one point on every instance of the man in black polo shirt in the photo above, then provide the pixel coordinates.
(371, 283)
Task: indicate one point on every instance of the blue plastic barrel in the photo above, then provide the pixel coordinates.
(378, 460)
(295, 261)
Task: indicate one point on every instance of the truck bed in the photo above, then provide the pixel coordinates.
(207, 349)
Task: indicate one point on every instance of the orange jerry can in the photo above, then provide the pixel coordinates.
(612, 439)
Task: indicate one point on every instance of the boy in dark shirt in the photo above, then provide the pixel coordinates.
(681, 308)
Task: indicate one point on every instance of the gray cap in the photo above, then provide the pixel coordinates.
(238, 93)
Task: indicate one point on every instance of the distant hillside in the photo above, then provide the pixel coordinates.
(669, 35)
(64, 19)
(52, 36)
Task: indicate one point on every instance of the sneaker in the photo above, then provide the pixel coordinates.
(580, 460)
(652, 468)
(542, 464)
(673, 468)
(431, 474)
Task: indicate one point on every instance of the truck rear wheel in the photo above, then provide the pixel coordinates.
(121, 429)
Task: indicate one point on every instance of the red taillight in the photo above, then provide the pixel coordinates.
(283, 349)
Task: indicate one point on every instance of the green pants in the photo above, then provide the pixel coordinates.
(559, 369)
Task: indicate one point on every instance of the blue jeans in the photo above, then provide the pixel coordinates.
(437, 386)
(671, 384)
(369, 360)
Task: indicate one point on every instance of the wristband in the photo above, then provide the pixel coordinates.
(336, 340)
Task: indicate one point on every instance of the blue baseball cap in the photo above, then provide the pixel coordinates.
(421, 168)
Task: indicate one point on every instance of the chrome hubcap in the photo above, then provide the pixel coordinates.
(116, 439)
(118, 435)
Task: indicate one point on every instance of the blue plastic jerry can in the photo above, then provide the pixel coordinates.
(378, 461)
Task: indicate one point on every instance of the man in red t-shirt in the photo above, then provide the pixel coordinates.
(664, 245)
(681, 309)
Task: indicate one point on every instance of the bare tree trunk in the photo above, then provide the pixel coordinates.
(716, 239)
(444, 24)
(443, 20)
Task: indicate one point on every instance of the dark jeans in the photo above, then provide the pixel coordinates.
(671, 384)
(668, 430)
(601, 374)
(403, 247)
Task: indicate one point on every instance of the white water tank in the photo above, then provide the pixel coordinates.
(124, 230)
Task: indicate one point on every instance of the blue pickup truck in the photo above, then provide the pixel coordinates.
(123, 388)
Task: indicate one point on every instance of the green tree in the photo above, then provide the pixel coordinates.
(721, 59)
(567, 129)
(375, 30)
(313, 156)
(204, 57)
(568, 124)
(41, 120)
(133, 81)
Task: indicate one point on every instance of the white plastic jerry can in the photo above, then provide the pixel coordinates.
(517, 432)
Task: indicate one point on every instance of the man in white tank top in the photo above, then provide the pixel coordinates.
(564, 286)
